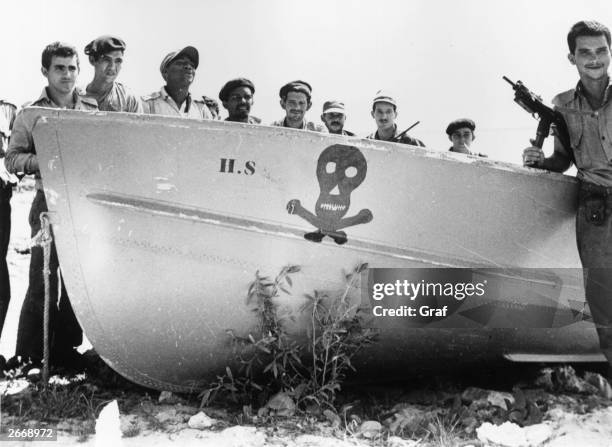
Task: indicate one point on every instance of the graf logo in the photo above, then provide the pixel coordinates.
(340, 170)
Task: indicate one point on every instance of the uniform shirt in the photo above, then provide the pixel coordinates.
(118, 99)
(250, 120)
(590, 134)
(7, 116)
(306, 125)
(161, 103)
(21, 153)
(404, 139)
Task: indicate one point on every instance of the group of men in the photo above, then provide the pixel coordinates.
(587, 110)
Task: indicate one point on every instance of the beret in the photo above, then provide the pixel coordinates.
(226, 90)
(460, 123)
(103, 45)
(189, 52)
(296, 86)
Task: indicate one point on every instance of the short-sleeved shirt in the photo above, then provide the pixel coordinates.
(306, 125)
(404, 139)
(118, 99)
(161, 103)
(21, 153)
(7, 116)
(590, 132)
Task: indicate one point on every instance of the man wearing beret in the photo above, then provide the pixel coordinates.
(333, 117)
(7, 116)
(384, 112)
(106, 55)
(295, 101)
(461, 133)
(178, 70)
(237, 97)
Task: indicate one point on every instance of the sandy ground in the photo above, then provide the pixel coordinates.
(573, 424)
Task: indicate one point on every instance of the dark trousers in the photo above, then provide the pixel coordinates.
(594, 238)
(5, 234)
(65, 332)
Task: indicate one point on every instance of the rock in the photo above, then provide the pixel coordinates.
(332, 417)
(167, 416)
(281, 404)
(509, 434)
(201, 421)
(167, 397)
(409, 418)
(500, 399)
(601, 384)
(370, 429)
(472, 394)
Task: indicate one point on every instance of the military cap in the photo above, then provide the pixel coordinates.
(189, 52)
(383, 96)
(296, 86)
(103, 45)
(459, 124)
(233, 84)
(333, 107)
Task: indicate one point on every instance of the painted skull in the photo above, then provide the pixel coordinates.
(340, 170)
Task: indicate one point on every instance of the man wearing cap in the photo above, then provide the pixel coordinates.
(333, 117)
(461, 133)
(295, 101)
(7, 116)
(178, 70)
(106, 55)
(237, 97)
(60, 65)
(384, 111)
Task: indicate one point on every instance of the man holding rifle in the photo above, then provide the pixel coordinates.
(384, 112)
(587, 112)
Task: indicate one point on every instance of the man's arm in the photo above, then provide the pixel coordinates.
(21, 156)
(559, 161)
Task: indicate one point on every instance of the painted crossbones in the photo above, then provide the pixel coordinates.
(340, 170)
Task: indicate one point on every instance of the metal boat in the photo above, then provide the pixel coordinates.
(161, 224)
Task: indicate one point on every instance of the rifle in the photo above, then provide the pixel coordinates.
(399, 136)
(547, 116)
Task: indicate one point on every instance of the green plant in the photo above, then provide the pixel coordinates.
(274, 362)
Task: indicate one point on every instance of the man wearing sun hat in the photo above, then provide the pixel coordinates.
(295, 101)
(178, 70)
(334, 116)
(237, 97)
(384, 112)
(106, 55)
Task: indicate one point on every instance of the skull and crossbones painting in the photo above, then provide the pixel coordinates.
(340, 170)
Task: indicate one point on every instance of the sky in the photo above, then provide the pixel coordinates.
(441, 60)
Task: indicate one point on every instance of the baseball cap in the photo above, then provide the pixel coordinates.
(333, 107)
(189, 52)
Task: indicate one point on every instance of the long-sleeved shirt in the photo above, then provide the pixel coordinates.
(21, 154)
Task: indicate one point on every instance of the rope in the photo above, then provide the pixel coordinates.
(44, 239)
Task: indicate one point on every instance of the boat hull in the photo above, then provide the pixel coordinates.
(159, 234)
